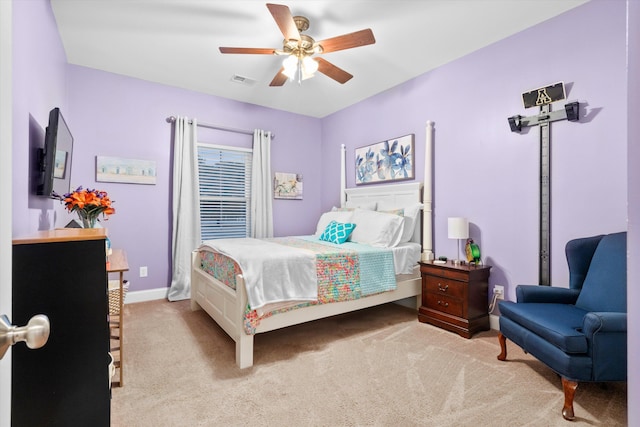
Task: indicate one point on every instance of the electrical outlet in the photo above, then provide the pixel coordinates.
(498, 290)
(143, 271)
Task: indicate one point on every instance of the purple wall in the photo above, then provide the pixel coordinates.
(39, 84)
(633, 278)
(487, 173)
(483, 171)
(112, 115)
(124, 117)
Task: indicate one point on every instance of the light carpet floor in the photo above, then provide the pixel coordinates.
(375, 367)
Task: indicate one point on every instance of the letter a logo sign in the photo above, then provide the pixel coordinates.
(543, 97)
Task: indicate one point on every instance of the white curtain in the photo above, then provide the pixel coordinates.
(261, 186)
(186, 207)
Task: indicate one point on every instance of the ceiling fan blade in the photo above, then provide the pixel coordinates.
(249, 50)
(347, 41)
(284, 19)
(279, 79)
(330, 70)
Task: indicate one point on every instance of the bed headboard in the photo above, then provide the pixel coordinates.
(397, 195)
(401, 193)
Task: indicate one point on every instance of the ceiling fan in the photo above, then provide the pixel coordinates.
(299, 48)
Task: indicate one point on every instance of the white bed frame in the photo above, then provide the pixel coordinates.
(227, 306)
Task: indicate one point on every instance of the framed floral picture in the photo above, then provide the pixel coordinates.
(390, 160)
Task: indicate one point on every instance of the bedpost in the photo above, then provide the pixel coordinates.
(343, 175)
(427, 221)
(244, 342)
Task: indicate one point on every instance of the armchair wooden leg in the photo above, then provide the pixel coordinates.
(503, 347)
(569, 388)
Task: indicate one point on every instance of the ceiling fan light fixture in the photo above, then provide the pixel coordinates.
(309, 65)
(304, 75)
(290, 65)
(299, 48)
(299, 69)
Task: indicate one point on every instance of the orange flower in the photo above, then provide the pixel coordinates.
(88, 204)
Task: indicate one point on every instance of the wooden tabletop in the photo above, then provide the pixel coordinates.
(62, 235)
(118, 261)
(451, 265)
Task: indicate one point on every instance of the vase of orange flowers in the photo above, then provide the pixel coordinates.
(88, 204)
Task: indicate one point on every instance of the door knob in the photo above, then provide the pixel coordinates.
(35, 334)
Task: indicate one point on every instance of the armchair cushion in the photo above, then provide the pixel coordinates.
(548, 294)
(579, 253)
(605, 285)
(599, 322)
(558, 324)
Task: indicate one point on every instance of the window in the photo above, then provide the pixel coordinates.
(225, 189)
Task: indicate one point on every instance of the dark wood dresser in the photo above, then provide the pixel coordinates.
(62, 274)
(455, 297)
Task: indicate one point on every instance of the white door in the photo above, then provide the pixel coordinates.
(6, 106)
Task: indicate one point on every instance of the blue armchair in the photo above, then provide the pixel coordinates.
(579, 332)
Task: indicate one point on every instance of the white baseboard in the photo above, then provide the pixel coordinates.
(494, 322)
(147, 295)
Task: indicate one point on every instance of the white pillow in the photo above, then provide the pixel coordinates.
(376, 228)
(327, 217)
(371, 206)
(411, 218)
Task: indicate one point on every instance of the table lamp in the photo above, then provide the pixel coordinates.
(458, 229)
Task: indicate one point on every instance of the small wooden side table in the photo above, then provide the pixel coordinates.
(117, 263)
(455, 297)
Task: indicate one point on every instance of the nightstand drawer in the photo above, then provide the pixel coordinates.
(445, 304)
(440, 285)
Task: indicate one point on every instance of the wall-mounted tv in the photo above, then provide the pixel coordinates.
(55, 158)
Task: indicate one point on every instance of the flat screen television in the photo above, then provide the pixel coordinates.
(55, 158)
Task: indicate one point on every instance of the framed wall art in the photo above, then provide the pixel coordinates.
(132, 171)
(390, 160)
(287, 186)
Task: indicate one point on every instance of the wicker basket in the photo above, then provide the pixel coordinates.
(114, 295)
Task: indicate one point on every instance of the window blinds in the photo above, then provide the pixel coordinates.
(225, 189)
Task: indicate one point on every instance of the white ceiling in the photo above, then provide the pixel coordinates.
(175, 42)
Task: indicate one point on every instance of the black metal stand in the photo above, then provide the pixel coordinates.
(544, 119)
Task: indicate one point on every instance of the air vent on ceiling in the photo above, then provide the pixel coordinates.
(242, 80)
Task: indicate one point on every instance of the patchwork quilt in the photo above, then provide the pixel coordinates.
(343, 272)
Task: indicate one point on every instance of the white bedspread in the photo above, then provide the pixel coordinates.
(265, 262)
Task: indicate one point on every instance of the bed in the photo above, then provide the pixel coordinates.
(230, 307)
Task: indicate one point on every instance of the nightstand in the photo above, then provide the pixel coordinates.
(455, 297)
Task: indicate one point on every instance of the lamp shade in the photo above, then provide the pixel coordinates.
(458, 228)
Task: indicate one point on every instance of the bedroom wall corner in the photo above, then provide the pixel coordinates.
(633, 250)
(39, 84)
(119, 116)
(487, 173)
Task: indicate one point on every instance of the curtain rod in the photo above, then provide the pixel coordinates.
(172, 119)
